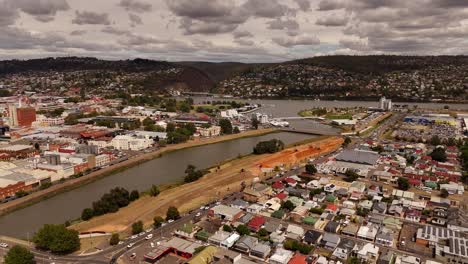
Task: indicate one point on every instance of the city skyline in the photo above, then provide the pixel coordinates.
(245, 31)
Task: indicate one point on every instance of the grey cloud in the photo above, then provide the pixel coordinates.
(303, 4)
(134, 20)
(302, 40)
(244, 42)
(91, 18)
(334, 20)
(8, 14)
(326, 5)
(191, 27)
(242, 34)
(266, 8)
(78, 32)
(42, 10)
(279, 24)
(115, 31)
(136, 6)
(200, 8)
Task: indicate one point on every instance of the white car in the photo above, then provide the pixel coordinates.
(152, 244)
(149, 236)
(198, 214)
(120, 243)
(134, 236)
(170, 221)
(149, 230)
(3, 245)
(130, 245)
(141, 234)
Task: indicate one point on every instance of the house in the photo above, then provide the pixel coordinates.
(245, 244)
(357, 186)
(278, 186)
(331, 209)
(379, 207)
(367, 232)
(386, 257)
(272, 205)
(393, 223)
(223, 239)
(272, 226)
(281, 256)
(396, 210)
(384, 237)
(297, 192)
(403, 194)
(312, 237)
(257, 192)
(298, 213)
(290, 181)
(260, 250)
(330, 241)
(225, 212)
(244, 219)
(407, 259)
(254, 208)
(256, 223)
(298, 259)
(368, 253)
(296, 200)
(294, 232)
(350, 230)
(344, 249)
(239, 204)
(413, 215)
(453, 188)
(319, 198)
(366, 204)
(332, 227)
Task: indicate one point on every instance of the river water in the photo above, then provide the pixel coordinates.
(167, 169)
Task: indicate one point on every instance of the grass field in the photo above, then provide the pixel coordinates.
(338, 116)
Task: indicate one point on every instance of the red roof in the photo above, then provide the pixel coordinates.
(298, 259)
(332, 207)
(256, 222)
(277, 185)
(281, 196)
(414, 181)
(290, 180)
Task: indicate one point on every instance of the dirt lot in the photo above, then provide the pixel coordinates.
(211, 187)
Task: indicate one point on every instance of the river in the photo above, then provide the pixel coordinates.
(167, 169)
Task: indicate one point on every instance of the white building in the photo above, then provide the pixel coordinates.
(42, 120)
(124, 142)
(385, 104)
(210, 131)
(102, 160)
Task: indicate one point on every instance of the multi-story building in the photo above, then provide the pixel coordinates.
(124, 142)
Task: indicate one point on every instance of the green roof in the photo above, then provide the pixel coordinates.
(330, 198)
(203, 235)
(309, 220)
(431, 184)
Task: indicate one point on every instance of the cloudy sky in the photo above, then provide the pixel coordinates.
(231, 30)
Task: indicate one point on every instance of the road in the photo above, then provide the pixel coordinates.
(110, 254)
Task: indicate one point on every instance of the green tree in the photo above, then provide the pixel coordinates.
(346, 141)
(157, 221)
(226, 126)
(134, 195)
(269, 146)
(353, 260)
(87, 214)
(403, 183)
(154, 191)
(19, 255)
(439, 154)
(444, 193)
(310, 169)
(21, 193)
(148, 121)
(137, 227)
(236, 130)
(255, 122)
(435, 140)
(172, 213)
(243, 230)
(227, 228)
(288, 205)
(263, 232)
(57, 239)
(351, 176)
(170, 127)
(114, 240)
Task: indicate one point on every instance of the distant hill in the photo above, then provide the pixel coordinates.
(218, 71)
(189, 78)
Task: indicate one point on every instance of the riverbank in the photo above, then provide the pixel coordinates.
(122, 166)
(219, 182)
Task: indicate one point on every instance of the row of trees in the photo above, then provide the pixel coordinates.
(110, 203)
(270, 146)
(19, 255)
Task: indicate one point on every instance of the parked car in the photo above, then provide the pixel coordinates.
(130, 245)
(149, 236)
(3, 245)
